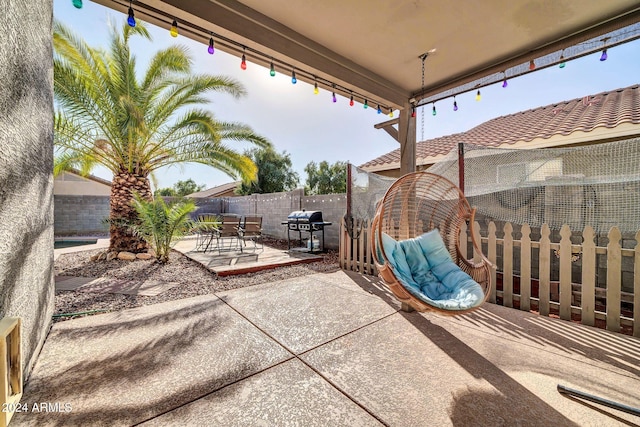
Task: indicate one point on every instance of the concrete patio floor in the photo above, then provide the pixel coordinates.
(327, 350)
(250, 260)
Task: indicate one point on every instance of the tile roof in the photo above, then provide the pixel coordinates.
(604, 110)
(215, 191)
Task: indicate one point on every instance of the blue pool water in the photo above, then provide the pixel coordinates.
(70, 243)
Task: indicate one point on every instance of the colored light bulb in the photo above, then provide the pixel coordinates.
(211, 48)
(272, 70)
(562, 63)
(351, 101)
(243, 63)
(333, 97)
(504, 83)
(433, 110)
(455, 106)
(379, 110)
(174, 29)
(390, 112)
(131, 20)
(532, 65)
(604, 56)
(413, 112)
(77, 4)
(315, 88)
(478, 96)
(293, 77)
(366, 104)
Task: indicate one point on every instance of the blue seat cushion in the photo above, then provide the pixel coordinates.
(425, 268)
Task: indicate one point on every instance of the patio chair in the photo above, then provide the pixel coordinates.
(251, 229)
(203, 226)
(415, 240)
(227, 230)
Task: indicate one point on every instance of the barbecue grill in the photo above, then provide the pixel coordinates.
(308, 222)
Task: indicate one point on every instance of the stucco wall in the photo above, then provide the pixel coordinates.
(26, 164)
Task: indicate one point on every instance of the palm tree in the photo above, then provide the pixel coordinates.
(106, 115)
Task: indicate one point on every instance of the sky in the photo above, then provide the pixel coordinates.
(312, 128)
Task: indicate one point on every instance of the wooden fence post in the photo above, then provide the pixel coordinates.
(614, 266)
(588, 289)
(545, 270)
(507, 266)
(525, 268)
(492, 256)
(565, 273)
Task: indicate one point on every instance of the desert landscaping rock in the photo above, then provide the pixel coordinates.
(144, 255)
(112, 255)
(191, 279)
(127, 256)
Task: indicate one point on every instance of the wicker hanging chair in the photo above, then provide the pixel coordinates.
(420, 213)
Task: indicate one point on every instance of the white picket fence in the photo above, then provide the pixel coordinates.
(587, 302)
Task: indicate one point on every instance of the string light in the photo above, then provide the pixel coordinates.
(562, 63)
(604, 55)
(532, 65)
(413, 112)
(478, 96)
(174, 32)
(504, 82)
(455, 104)
(433, 110)
(174, 29)
(131, 20)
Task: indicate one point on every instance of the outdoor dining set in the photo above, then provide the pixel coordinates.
(228, 232)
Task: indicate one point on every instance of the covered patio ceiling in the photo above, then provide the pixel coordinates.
(371, 49)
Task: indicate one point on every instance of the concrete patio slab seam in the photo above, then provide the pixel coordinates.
(294, 356)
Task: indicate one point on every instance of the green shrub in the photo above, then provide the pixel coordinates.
(162, 225)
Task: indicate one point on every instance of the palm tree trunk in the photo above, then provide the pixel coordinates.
(125, 184)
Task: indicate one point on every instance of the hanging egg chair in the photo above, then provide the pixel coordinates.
(415, 240)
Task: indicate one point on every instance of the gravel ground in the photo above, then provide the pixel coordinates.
(192, 278)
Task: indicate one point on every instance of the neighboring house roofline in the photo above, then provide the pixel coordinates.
(215, 191)
(89, 176)
(602, 117)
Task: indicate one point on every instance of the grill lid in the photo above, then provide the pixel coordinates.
(305, 216)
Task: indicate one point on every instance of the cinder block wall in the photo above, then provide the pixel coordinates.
(26, 166)
(333, 207)
(275, 207)
(80, 215)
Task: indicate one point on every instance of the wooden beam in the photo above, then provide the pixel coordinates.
(407, 134)
(388, 127)
(387, 123)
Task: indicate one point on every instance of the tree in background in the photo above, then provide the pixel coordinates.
(135, 123)
(275, 173)
(180, 189)
(324, 178)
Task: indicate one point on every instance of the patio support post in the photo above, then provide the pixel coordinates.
(407, 134)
